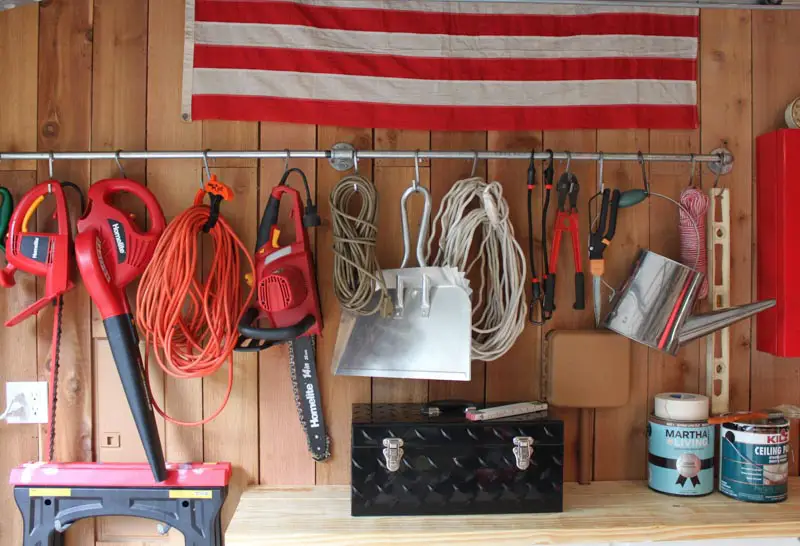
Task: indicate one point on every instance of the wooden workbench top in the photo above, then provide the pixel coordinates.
(601, 512)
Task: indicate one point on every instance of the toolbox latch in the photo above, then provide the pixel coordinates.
(393, 453)
(523, 451)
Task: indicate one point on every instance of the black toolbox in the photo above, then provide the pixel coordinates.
(406, 463)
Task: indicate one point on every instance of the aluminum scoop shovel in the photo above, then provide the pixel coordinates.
(428, 335)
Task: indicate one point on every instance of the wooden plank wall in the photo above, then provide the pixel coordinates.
(106, 74)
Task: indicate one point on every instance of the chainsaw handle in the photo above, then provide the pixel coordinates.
(270, 217)
(102, 189)
(271, 335)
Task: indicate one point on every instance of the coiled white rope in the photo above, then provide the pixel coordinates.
(498, 311)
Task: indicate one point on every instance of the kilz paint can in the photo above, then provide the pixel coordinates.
(754, 460)
(681, 457)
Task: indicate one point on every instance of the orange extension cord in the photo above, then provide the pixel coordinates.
(192, 327)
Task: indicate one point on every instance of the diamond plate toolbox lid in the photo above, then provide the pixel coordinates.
(374, 422)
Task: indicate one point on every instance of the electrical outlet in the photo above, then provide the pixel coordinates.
(32, 396)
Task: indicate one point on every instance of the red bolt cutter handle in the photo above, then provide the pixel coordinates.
(565, 221)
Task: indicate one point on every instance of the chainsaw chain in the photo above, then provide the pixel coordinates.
(55, 364)
(299, 404)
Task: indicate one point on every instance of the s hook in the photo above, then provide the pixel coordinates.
(119, 164)
(206, 168)
(415, 182)
(640, 155)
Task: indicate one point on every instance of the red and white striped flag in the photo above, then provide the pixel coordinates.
(441, 65)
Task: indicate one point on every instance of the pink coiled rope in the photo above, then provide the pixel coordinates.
(693, 243)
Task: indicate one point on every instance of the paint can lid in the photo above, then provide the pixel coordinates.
(767, 426)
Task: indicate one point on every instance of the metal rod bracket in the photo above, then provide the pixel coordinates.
(723, 167)
(342, 156)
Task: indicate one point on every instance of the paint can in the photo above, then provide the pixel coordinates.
(754, 460)
(681, 457)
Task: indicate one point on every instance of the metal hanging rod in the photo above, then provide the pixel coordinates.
(343, 156)
(341, 152)
(721, 4)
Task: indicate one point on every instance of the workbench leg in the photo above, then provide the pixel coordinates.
(38, 520)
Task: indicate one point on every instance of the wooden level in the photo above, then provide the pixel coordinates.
(600, 512)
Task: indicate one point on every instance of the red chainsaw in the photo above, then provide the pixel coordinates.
(45, 254)
(111, 252)
(287, 299)
(40, 253)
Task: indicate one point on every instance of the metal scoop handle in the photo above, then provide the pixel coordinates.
(423, 224)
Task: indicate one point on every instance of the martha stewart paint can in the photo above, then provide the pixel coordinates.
(754, 460)
(681, 457)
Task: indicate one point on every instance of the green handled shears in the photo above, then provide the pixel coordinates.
(6, 207)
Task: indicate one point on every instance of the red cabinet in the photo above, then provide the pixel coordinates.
(778, 241)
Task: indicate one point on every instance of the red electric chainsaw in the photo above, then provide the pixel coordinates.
(48, 255)
(40, 253)
(286, 297)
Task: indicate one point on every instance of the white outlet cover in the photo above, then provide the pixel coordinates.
(34, 396)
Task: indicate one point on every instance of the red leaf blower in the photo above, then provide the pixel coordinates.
(111, 252)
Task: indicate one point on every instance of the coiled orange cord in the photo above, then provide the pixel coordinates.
(192, 327)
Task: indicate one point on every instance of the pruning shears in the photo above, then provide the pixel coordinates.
(599, 239)
(6, 208)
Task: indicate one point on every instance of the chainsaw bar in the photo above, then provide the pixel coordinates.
(54, 363)
(307, 396)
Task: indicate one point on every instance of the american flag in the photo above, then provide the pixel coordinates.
(441, 65)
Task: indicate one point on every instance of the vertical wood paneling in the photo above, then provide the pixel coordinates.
(119, 84)
(516, 375)
(726, 115)
(565, 317)
(776, 42)
(241, 410)
(174, 184)
(64, 121)
(338, 393)
(284, 457)
(20, 442)
(119, 100)
(392, 178)
(620, 433)
(667, 373)
(445, 173)
(18, 65)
